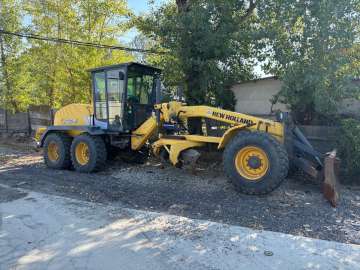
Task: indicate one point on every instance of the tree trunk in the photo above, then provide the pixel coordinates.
(182, 5)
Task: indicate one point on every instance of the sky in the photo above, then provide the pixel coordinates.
(138, 6)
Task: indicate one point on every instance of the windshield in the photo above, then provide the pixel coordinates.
(140, 88)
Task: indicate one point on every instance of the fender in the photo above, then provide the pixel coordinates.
(229, 134)
(92, 130)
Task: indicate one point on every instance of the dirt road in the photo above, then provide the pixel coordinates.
(297, 207)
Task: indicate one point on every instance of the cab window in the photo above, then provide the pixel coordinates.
(100, 96)
(140, 88)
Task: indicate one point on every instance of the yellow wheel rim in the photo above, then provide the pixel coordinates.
(53, 151)
(82, 153)
(252, 163)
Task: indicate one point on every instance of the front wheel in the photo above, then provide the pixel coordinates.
(88, 153)
(255, 162)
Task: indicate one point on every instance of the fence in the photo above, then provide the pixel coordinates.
(25, 122)
(322, 137)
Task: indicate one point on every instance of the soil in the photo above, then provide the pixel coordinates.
(297, 207)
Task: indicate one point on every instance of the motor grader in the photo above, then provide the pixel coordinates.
(127, 116)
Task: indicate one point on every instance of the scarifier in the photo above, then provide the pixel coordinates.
(127, 117)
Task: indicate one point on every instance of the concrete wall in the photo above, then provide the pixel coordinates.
(254, 97)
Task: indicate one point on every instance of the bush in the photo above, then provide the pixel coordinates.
(349, 146)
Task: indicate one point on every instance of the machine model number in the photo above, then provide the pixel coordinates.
(70, 121)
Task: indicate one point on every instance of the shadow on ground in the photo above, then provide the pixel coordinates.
(297, 207)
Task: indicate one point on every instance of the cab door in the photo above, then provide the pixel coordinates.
(100, 99)
(115, 82)
(140, 98)
(109, 95)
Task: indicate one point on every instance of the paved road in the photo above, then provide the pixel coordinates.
(40, 231)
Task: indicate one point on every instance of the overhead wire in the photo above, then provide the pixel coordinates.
(79, 43)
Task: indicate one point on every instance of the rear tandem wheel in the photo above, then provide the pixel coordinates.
(88, 153)
(57, 151)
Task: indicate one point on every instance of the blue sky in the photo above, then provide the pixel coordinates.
(138, 6)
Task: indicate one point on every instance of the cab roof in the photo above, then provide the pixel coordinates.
(129, 64)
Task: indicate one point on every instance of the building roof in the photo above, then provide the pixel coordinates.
(260, 79)
(356, 80)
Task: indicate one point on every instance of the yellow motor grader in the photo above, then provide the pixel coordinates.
(127, 116)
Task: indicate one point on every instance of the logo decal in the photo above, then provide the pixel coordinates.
(70, 121)
(233, 118)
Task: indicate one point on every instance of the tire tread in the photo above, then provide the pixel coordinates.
(99, 146)
(66, 144)
(274, 180)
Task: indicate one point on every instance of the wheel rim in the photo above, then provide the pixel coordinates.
(82, 153)
(252, 163)
(53, 151)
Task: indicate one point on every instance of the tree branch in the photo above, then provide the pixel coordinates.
(252, 6)
(182, 5)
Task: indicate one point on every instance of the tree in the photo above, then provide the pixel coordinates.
(9, 48)
(208, 45)
(58, 72)
(307, 44)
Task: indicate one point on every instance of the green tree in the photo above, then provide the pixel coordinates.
(10, 83)
(208, 45)
(307, 45)
(58, 73)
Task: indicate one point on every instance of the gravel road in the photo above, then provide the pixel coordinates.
(297, 207)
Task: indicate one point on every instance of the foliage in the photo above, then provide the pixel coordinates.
(11, 84)
(307, 44)
(349, 146)
(208, 45)
(55, 74)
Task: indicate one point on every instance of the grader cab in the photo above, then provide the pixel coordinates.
(127, 115)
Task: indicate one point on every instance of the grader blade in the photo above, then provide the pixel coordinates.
(190, 157)
(331, 184)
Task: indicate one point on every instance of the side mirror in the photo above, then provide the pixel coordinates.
(121, 76)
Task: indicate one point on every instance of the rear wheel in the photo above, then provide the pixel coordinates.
(57, 151)
(88, 153)
(255, 162)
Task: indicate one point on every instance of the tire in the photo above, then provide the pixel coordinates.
(95, 158)
(62, 143)
(274, 165)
